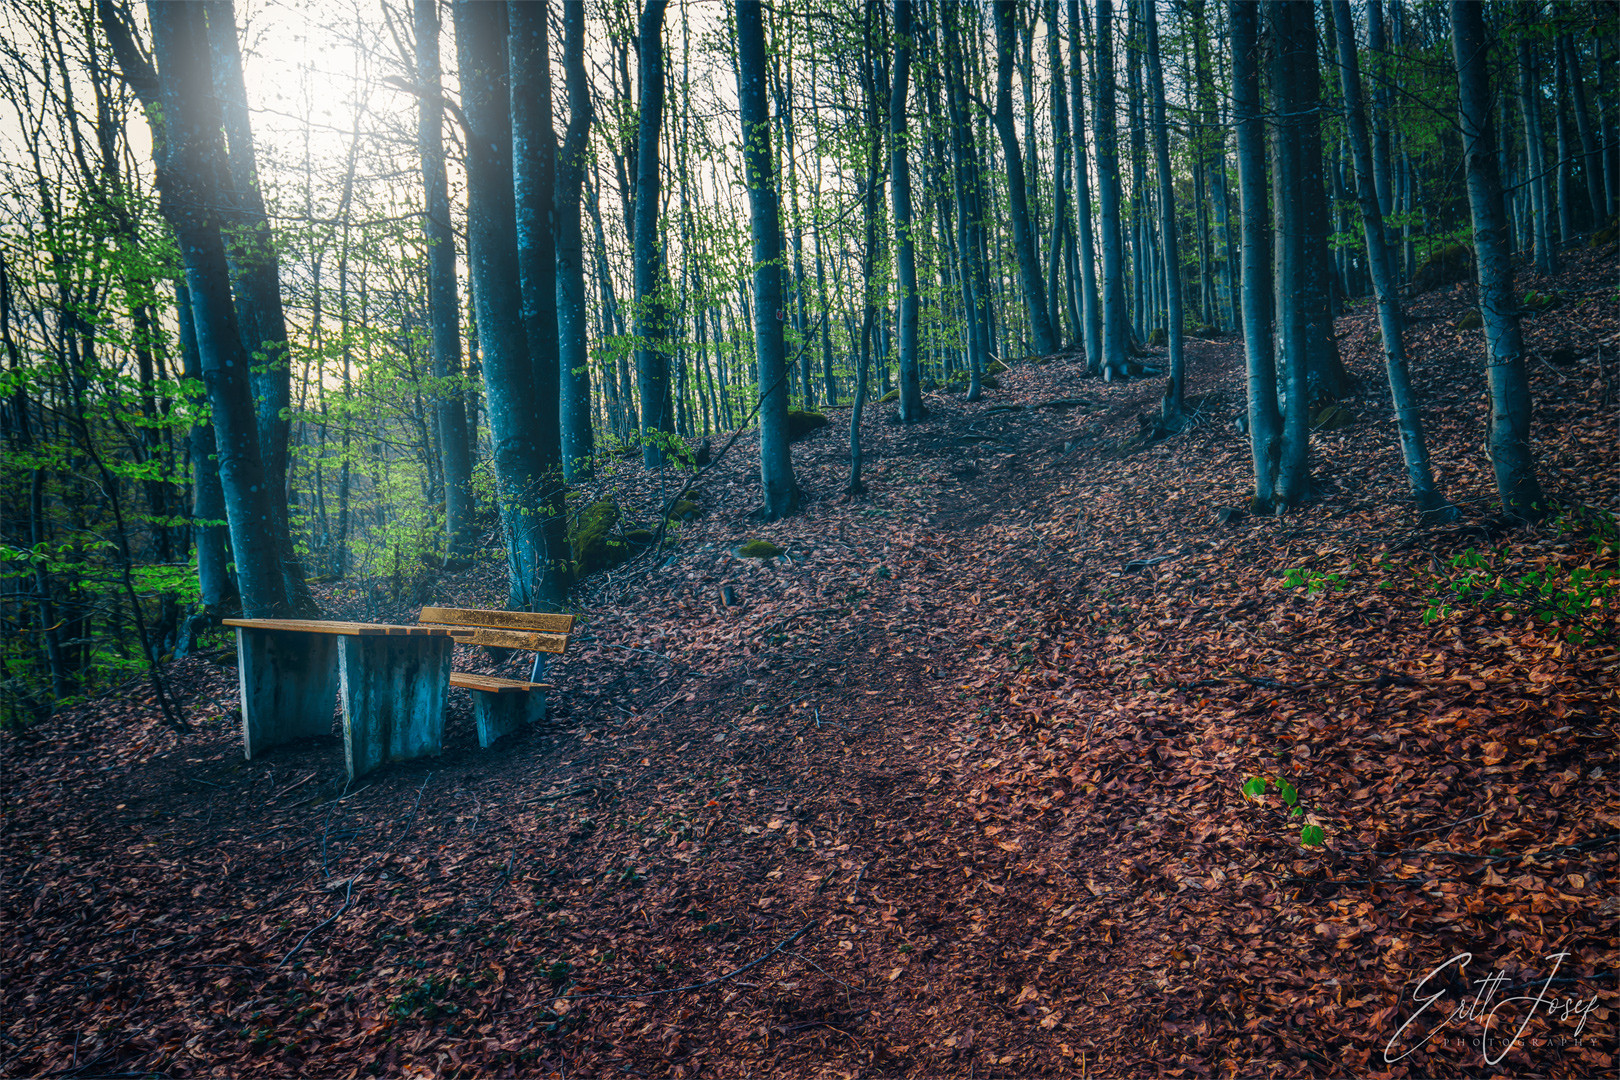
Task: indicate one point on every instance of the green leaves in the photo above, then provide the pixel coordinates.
(1255, 787)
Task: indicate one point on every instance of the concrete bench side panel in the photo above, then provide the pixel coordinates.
(288, 682)
(499, 715)
(393, 691)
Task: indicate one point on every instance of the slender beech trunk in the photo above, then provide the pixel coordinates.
(1265, 425)
(209, 531)
(1591, 163)
(911, 404)
(1530, 108)
(1029, 266)
(1062, 156)
(781, 491)
(1170, 412)
(1505, 368)
(442, 302)
(652, 359)
(1091, 309)
(573, 337)
(1116, 329)
(1408, 417)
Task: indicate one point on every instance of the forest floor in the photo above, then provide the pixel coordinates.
(953, 789)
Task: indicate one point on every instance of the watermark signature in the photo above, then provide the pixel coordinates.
(1482, 1005)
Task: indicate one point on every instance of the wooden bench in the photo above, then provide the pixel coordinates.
(501, 706)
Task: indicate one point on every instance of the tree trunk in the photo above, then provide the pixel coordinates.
(1591, 160)
(256, 279)
(1293, 48)
(443, 305)
(1414, 450)
(1029, 267)
(520, 480)
(781, 491)
(1530, 108)
(1091, 310)
(905, 259)
(192, 174)
(573, 337)
(534, 167)
(1265, 426)
(652, 361)
(1116, 329)
(1505, 369)
(1170, 412)
(209, 532)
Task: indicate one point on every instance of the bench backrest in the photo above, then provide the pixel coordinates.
(535, 630)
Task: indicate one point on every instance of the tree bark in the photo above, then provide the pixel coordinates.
(1116, 329)
(573, 338)
(255, 268)
(905, 259)
(781, 491)
(1293, 48)
(443, 305)
(515, 437)
(1505, 369)
(188, 128)
(1265, 425)
(1029, 267)
(1409, 418)
(1090, 308)
(652, 361)
(1170, 412)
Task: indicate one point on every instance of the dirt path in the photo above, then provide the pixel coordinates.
(952, 791)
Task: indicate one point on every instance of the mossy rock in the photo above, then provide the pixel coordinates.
(1470, 320)
(1446, 265)
(996, 368)
(802, 423)
(1604, 237)
(990, 382)
(758, 549)
(685, 510)
(1158, 337)
(639, 536)
(593, 541)
(1333, 418)
(892, 395)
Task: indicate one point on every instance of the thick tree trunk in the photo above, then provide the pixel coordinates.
(781, 491)
(1170, 412)
(652, 318)
(1505, 369)
(1325, 374)
(193, 176)
(255, 268)
(1116, 329)
(534, 167)
(1265, 426)
(444, 307)
(1293, 48)
(1408, 417)
(573, 338)
(515, 427)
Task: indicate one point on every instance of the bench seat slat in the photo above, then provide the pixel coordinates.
(490, 684)
(532, 621)
(507, 639)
